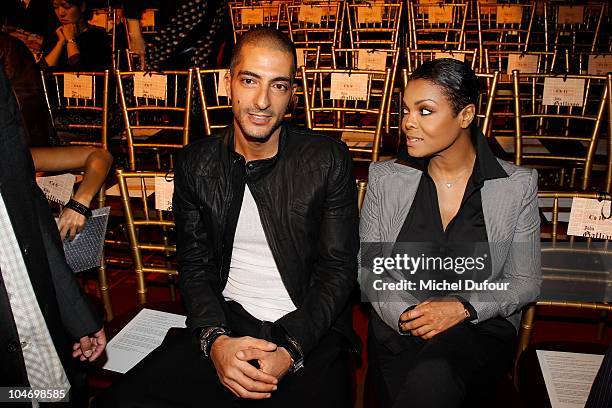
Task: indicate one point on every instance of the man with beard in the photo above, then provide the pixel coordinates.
(267, 223)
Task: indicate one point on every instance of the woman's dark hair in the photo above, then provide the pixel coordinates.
(457, 80)
(88, 13)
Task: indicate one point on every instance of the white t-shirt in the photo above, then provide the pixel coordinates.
(254, 280)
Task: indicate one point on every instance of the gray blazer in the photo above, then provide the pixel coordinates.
(510, 209)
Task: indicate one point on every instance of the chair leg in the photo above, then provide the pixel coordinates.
(523, 338)
(103, 286)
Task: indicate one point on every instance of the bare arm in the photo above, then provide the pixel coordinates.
(94, 161)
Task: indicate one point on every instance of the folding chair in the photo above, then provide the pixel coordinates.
(374, 25)
(349, 104)
(558, 122)
(578, 27)
(78, 103)
(246, 17)
(316, 23)
(436, 25)
(570, 264)
(156, 111)
(150, 227)
(214, 102)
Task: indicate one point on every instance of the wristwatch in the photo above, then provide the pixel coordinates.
(208, 337)
(283, 339)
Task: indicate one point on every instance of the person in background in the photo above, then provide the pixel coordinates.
(78, 45)
(22, 72)
(95, 162)
(46, 323)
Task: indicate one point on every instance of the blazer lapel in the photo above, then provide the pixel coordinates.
(403, 197)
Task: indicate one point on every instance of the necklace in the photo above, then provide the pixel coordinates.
(449, 184)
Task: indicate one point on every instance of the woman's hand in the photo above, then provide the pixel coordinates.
(61, 38)
(432, 317)
(70, 31)
(70, 223)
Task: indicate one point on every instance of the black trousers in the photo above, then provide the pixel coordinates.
(176, 374)
(456, 368)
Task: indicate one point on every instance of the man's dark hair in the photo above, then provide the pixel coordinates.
(265, 37)
(457, 80)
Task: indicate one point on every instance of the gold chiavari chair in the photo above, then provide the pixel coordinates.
(246, 17)
(309, 58)
(78, 103)
(156, 113)
(374, 25)
(150, 230)
(504, 62)
(349, 104)
(370, 59)
(362, 186)
(553, 136)
(505, 26)
(215, 104)
(316, 23)
(567, 260)
(435, 25)
(578, 27)
(79, 107)
(590, 63)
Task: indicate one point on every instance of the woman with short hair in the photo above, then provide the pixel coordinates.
(433, 344)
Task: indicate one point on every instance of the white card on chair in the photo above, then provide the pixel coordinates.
(509, 14)
(523, 63)
(252, 16)
(347, 87)
(78, 86)
(147, 18)
(310, 14)
(600, 64)
(57, 188)
(588, 219)
(440, 14)
(152, 86)
(369, 14)
(570, 15)
(560, 92)
(164, 190)
(372, 59)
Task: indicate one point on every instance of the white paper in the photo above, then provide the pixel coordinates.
(134, 187)
(600, 64)
(560, 92)
(150, 86)
(85, 250)
(568, 376)
(57, 188)
(164, 190)
(587, 219)
(78, 86)
(352, 87)
(372, 60)
(143, 334)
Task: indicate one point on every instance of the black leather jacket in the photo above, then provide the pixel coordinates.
(307, 201)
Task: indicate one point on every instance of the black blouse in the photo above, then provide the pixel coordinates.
(465, 234)
(95, 52)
